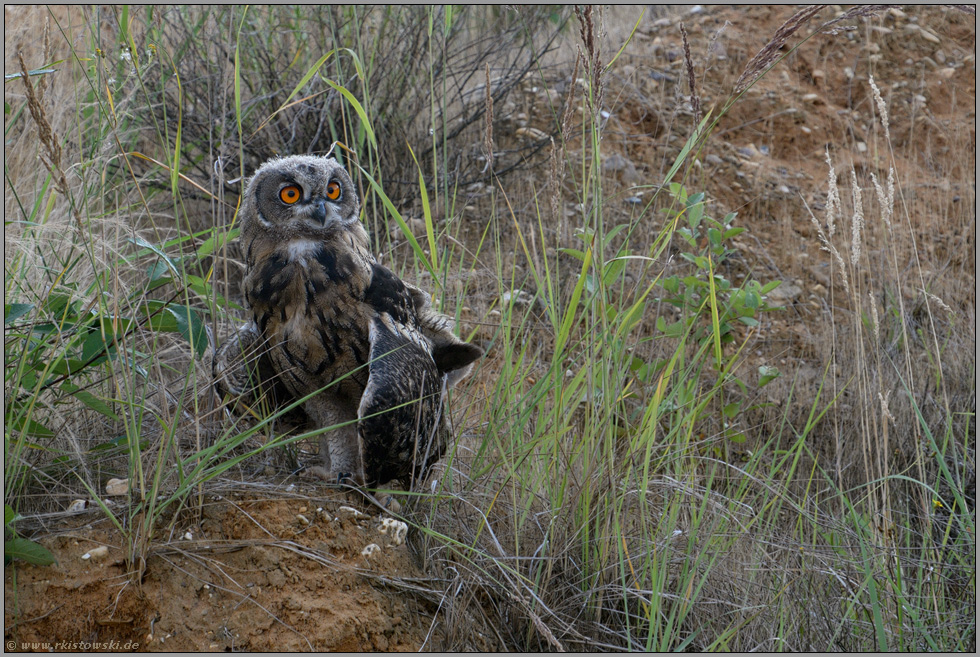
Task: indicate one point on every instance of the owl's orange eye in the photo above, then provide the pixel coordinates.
(290, 194)
(333, 190)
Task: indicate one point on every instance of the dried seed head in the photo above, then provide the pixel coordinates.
(875, 326)
(833, 197)
(857, 220)
(770, 52)
(882, 108)
(695, 99)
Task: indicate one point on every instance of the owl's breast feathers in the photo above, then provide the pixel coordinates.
(307, 300)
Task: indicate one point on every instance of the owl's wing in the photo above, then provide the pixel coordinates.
(235, 364)
(400, 410)
(243, 371)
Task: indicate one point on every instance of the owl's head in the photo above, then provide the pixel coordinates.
(300, 196)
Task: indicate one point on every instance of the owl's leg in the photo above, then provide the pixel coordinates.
(341, 452)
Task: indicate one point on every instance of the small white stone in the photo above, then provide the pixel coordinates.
(531, 134)
(370, 549)
(96, 554)
(78, 505)
(396, 529)
(117, 487)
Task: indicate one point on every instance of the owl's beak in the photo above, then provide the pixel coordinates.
(320, 211)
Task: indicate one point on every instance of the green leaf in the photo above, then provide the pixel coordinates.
(216, 242)
(770, 286)
(731, 410)
(766, 374)
(159, 270)
(58, 305)
(396, 215)
(95, 403)
(172, 265)
(191, 327)
(95, 344)
(14, 311)
(29, 551)
(613, 270)
(365, 122)
(575, 253)
(674, 330)
(164, 322)
(696, 199)
(30, 427)
(9, 515)
(37, 71)
(613, 232)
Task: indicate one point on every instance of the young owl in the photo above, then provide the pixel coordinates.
(331, 325)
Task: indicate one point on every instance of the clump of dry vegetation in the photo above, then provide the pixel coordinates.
(645, 460)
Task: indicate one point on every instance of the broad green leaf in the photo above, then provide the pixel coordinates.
(191, 327)
(29, 551)
(14, 311)
(30, 427)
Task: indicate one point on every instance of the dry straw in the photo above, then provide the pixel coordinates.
(488, 130)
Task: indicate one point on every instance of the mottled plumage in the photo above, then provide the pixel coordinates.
(328, 319)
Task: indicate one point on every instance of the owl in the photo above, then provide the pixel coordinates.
(364, 351)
